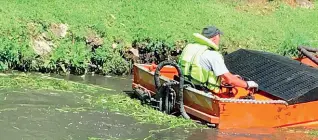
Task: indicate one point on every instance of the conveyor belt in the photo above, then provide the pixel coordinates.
(277, 75)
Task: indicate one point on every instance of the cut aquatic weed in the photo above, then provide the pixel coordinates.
(35, 82)
(127, 106)
(313, 133)
(73, 110)
(94, 138)
(97, 97)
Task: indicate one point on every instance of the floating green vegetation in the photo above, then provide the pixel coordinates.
(127, 106)
(45, 82)
(74, 110)
(97, 97)
(313, 132)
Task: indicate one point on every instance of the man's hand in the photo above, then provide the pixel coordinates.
(251, 84)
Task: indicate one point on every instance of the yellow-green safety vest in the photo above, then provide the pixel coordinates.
(192, 70)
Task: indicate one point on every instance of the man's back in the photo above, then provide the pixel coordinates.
(213, 61)
(208, 65)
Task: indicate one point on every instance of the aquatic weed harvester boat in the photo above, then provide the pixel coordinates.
(287, 94)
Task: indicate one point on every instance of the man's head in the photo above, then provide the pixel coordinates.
(212, 33)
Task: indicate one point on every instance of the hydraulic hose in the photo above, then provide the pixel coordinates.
(181, 84)
(306, 51)
(309, 49)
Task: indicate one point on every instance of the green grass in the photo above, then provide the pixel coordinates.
(275, 27)
(306, 132)
(98, 98)
(313, 133)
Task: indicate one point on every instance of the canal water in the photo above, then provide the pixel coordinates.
(55, 115)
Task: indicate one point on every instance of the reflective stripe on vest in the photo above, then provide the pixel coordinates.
(191, 69)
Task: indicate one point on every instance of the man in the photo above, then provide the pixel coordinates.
(202, 63)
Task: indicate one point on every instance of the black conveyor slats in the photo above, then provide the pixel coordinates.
(277, 75)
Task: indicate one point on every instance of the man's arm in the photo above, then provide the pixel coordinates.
(229, 78)
(214, 61)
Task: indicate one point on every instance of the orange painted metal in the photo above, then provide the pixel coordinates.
(233, 115)
(307, 61)
(202, 115)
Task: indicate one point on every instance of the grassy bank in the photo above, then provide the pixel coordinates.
(97, 97)
(274, 27)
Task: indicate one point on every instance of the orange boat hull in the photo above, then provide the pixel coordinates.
(265, 111)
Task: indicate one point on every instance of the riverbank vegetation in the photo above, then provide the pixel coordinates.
(106, 37)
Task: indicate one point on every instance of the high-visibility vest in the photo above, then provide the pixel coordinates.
(192, 70)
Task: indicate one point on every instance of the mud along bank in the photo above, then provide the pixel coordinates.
(34, 107)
